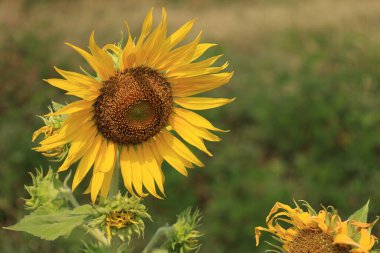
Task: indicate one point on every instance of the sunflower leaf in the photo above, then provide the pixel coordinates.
(361, 215)
(50, 226)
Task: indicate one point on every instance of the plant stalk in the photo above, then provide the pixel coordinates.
(160, 233)
(95, 233)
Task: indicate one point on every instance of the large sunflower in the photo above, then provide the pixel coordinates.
(141, 94)
(302, 231)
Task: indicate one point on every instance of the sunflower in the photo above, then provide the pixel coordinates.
(128, 112)
(323, 232)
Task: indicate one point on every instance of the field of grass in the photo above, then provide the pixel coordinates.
(305, 124)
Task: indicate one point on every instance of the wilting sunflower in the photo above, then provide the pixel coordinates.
(141, 94)
(302, 231)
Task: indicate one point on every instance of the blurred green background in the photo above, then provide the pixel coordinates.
(305, 124)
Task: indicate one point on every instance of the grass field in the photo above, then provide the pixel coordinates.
(305, 124)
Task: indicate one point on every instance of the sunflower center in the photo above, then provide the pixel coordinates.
(119, 219)
(133, 106)
(314, 241)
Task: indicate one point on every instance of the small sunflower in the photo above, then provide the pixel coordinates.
(141, 94)
(311, 232)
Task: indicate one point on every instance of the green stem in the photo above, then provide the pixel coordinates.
(70, 196)
(161, 232)
(96, 233)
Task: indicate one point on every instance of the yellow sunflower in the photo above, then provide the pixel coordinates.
(323, 232)
(141, 94)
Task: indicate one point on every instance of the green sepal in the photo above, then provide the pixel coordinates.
(361, 215)
(50, 225)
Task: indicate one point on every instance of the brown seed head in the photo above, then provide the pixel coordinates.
(134, 105)
(314, 241)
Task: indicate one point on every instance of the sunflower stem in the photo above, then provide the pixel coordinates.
(161, 232)
(114, 187)
(70, 196)
(95, 233)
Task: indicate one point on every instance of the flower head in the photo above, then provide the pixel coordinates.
(120, 216)
(302, 231)
(184, 236)
(44, 191)
(142, 93)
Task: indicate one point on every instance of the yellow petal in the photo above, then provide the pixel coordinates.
(180, 34)
(91, 60)
(114, 49)
(201, 103)
(74, 125)
(147, 177)
(98, 176)
(179, 56)
(196, 68)
(345, 240)
(147, 26)
(79, 80)
(201, 49)
(107, 182)
(366, 240)
(258, 233)
(96, 184)
(195, 119)
(128, 55)
(77, 148)
(71, 89)
(44, 129)
(153, 166)
(183, 87)
(73, 107)
(109, 157)
(136, 172)
(198, 131)
(170, 156)
(181, 127)
(180, 148)
(103, 59)
(156, 49)
(126, 169)
(86, 162)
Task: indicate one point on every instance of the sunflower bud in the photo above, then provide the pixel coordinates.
(120, 216)
(44, 191)
(184, 237)
(52, 125)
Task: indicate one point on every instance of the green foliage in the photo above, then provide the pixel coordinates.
(44, 191)
(361, 214)
(184, 236)
(305, 123)
(50, 224)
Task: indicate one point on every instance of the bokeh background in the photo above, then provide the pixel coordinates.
(305, 124)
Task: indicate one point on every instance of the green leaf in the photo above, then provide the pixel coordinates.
(50, 226)
(361, 214)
